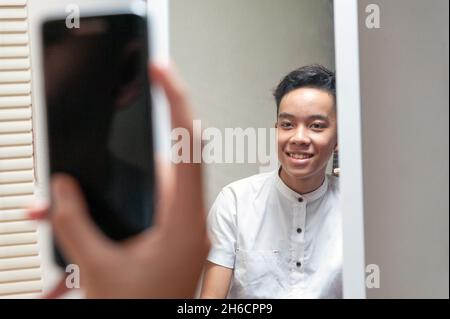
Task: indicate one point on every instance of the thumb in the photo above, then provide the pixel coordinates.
(75, 232)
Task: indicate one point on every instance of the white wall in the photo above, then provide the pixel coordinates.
(405, 106)
(232, 54)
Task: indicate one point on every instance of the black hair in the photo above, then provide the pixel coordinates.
(313, 76)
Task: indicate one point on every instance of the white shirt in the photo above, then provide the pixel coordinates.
(280, 244)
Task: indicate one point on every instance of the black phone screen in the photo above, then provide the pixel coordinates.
(98, 108)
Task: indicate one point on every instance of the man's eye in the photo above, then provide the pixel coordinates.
(318, 126)
(285, 125)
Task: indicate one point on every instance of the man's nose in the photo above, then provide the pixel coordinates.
(301, 136)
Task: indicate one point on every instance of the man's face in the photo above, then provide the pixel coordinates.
(307, 133)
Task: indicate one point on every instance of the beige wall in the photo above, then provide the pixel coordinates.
(232, 53)
(405, 106)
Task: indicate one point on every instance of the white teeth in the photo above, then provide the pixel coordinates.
(299, 156)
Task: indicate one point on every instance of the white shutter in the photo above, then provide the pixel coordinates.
(20, 273)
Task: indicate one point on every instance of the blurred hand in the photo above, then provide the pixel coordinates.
(164, 262)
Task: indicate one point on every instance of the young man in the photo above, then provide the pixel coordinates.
(278, 235)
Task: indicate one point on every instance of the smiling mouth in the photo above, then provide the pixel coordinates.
(299, 156)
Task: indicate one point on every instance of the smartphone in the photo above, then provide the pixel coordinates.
(99, 116)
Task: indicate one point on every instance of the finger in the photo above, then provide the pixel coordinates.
(165, 186)
(188, 206)
(78, 236)
(181, 113)
(38, 211)
(58, 291)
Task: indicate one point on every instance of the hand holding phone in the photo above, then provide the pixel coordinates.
(99, 123)
(164, 262)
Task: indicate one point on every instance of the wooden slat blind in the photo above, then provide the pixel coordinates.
(20, 274)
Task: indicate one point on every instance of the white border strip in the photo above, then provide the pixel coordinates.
(350, 147)
(159, 10)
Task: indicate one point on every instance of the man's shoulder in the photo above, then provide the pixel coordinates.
(248, 186)
(250, 183)
(237, 197)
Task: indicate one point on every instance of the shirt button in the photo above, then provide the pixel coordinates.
(299, 230)
(298, 264)
(300, 199)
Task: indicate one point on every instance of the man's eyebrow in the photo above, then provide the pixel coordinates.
(286, 116)
(319, 117)
(312, 117)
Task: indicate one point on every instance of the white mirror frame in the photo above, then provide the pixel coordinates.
(350, 146)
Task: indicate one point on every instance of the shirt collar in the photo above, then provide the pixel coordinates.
(294, 196)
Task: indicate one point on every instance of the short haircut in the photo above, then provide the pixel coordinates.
(309, 76)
